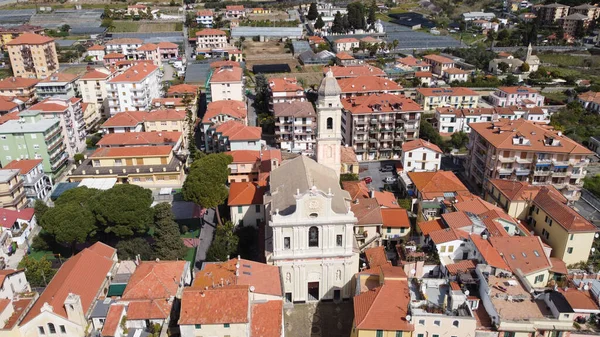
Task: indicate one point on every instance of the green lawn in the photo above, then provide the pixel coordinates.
(556, 96)
(124, 26)
(4, 73)
(191, 234)
(36, 255)
(191, 255)
(562, 60)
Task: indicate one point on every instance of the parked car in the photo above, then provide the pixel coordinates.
(386, 168)
(390, 179)
(368, 180)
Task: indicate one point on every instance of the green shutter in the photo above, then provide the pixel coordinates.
(198, 326)
(379, 333)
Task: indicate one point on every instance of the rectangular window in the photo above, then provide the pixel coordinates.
(198, 326)
(450, 249)
(240, 209)
(442, 249)
(62, 329)
(389, 230)
(539, 278)
(41, 330)
(226, 325)
(286, 242)
(571, 237)
(398, 333)
(339, 242)
(379, 333)
(421, 322)
(257, 208)
(402, 230)
(51, 328)
(570, 250)
(420, 335)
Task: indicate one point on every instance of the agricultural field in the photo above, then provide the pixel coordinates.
(566, 60)
(145, 27)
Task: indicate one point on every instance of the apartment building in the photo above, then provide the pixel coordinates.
(92, 86)
(34, 137)
(439, 64)
(285, 90)
(227, 84)
(96, 52)
(542, 207)
(521, 150)
(376, 126)
(457, 97)
(552, 12)
(572, 22)
(134, 88)
(184, 90)
(233, 135)
(167, 120)
(354, 71)
(235, 12)
(149, 52)
(8, 34)
(295, 126)
(33, 56)
(431, 189)
(419, 155)
(450, 120)
(205, 18)
(57, 83)
(455, 75)
(345, 44)
(368, 85)
(70, 113)
(127, 121)
(208, 39)
(22, 88)
(112, 59)
(245, 202)
(590, 100)
(219, 112)
(505, 96)
(37, 184)
(253, 166)
(12, 192)
(591, 11)
(411, 63)
(125, 46)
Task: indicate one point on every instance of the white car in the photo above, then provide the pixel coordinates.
(390, 179)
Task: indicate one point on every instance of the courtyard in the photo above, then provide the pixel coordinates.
(319, 319)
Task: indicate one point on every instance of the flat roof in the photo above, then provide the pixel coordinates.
(266, 31)
(515, 303)
(7, 174)
(98, 183)
(15, 126)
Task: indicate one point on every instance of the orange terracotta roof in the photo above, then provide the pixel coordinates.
(386, 199)
(346, 40)
(30, 38)
(370, 39)
(149, 309)
(419, 74)
(245, 193)
(7, 104)
(233, 109)
(380, 103)
(140, 138)
(204, 12)
(125, 119)
(367, 211)
(344, 56)
(225, 63)
(383, 308)
(316, 39)
(267, 319)
(580, 300)
(210, 31)
(83, 274)
(60, 77)
(11, 83)
(348, 156)
(411, 61)
(457, 220)
(263, 277)
(165, 115)
(94, 74)
(10, 117)
(522, 252)
(113, 320)
(8, 217)
(23, 165)
(419, 143)
(454, 285)
(357, 189)
(474, 204)
(427, 227)
(455, 71)
(285, 84)
(534, 133)
(447, 235)
(182, 89)
(214, 305)
(114, 56)
(376, 257)
(235, 8)
(96, 47)
(558, 266)
(297, 109)
(244, 156)
(236, 131)
(167, 45)
(395, 218)
(455, 91)
(438, 59)
(461, 266)
(566, 217)
(147, 47)
(132, 151)
(489, 253)
(226, 74)
(367, 84)
(154, 280)
(135, 73)
(435, 184)
(8, 272)
(354, 71)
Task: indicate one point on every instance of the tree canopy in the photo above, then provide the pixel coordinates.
(38, 272)
(128, 249)
(224, 244)
(69, 223)
(124, 210)
(576, 123)
(319, 24)
(168, 244)
(313, 13)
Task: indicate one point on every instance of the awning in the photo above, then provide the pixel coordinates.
(522, 173)
(116, 290)
(542, 164)
(561, 167)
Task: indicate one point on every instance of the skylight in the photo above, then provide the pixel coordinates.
(536, 253)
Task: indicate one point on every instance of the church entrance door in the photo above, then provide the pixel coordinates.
(313, 291)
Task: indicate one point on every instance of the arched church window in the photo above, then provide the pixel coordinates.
(313, 237)
(329, 123)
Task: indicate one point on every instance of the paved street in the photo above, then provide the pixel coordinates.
(169, 72)
(206, 236)
(252, 118)
(371, 169)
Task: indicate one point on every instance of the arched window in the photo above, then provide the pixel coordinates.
(51, 328)
(329, 123)
(313, 237)
(455, 323)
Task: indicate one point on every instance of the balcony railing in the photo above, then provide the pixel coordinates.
(559, 174)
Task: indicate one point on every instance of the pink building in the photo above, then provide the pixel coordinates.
(168, 50)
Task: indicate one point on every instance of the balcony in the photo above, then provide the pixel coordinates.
(374, 121)
(522, 171)
(359, 131)
(360, 140)
(561, 163)
(524, 160)
(372, 140)
(559, 174)
(541, 173)
(579, 163)
(580, 174)
(505, 170)
(506, 159)
(360, 122)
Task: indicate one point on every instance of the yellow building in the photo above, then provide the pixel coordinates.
(381, 308)
(33, 56)
(167, 120)
(8, 34)
(12, 193)
(545, 209)
(457, 98)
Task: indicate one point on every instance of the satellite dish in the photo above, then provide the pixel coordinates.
(597, 235)
(593, 249)
(586, 287)
(467, 292)
(413, 271)
(408, 318)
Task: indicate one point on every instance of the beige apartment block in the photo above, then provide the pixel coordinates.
(33, 56)
(12, 193)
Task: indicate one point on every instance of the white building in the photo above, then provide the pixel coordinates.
(310, 233)
(133, 89)
(38, 185)
(346, 44)
(92, 86)
(295, 126)
(518, 95)
(57, 83)
(227, 84)
(471, 16)
(420, 155)
(125, 46)
(245, 202)
(96, 52)
(455, 75)
(205, 18)
(329, 123)
(209, 39)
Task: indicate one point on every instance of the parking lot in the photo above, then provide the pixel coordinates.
(371, 169)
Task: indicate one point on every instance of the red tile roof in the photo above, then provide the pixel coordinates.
(154, 280)
(114, 56)
(148, 47)
(344, 56)
(182, 89)
(227, 75)
(522, 252)
(447, 235)
(285, 84)
(233, 109)
(30, 38)
(133, 151)
(214, 305)
(12, 116)
(489, 253)
(395, 218)
(235, 8)
(558, 266)
(149, 309)
(430, 226)
(383, 308)
(380, 103)
(438, 58)
(435, 184)
(165, 115)
(140, 138)
(455, 71)
(346, 40)
(8, 272)
(83, 274)
(457, 220)
(11, 83)
(376, 257)
(135, 73)
(386, 199)
(412, 61)
(94, 74)
(237, 131)
(204, 12)
(363, 84)
(244, 156)
(113, 320)
(210, 31)
(60, 77)
(462, 266)
(419, 143)
(357, 189)
(521, 190)
(96, 47)
(267, 319)
(23, 165)
(167, 45)
(579, 300)
(245, 193)
(367, 211)
(474, 204)
(419, 74)
(566, 217)
(125, 119)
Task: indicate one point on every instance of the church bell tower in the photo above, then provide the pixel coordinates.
(329, 123)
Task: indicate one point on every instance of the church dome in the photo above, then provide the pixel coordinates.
(329, 86)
